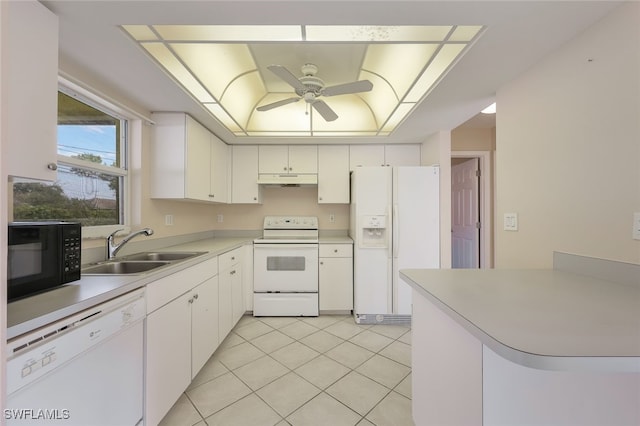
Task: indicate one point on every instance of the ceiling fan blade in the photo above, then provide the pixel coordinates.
(324, 110)
(273, 105)
(286, 76)
(344, 89)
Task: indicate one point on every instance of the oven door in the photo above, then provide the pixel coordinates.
(285, 268)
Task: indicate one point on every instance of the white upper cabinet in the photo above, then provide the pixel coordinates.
(303, 159)
(402, 155)
(366, 156)
(30, 68)
(244, 177)
(384, 155)
(280, 159)
(219, 184)
(333, 174)
(187, 160)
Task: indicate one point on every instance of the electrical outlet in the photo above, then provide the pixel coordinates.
(220, 218)
(636, 226)
(168, 219)
(332, 217)
(511, 221)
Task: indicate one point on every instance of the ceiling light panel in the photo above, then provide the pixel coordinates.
(216, 64)
(376, 33)
(218, 33)
(225, 68)
(168, 60)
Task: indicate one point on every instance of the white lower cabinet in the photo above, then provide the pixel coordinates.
(231, 291)
(181, 334)
(167, 358)
(335, 277)
(189, 314)
(204, 317)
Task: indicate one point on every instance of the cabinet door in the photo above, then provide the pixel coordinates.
(303, 159)
(204, 323)
(218, 166)
(225, 307)
(168, 357)
(197, 161)
(336, 283)
(237, 295)
(30, 72)
(247, 276)
(244, 177)
(273, 159)
(366, 156)
(402, 155)
(333, 174)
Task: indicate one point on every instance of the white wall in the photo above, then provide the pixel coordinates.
(3, 211)
(568, 149)
(436, 149)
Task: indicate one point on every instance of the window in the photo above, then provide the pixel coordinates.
(92, 170)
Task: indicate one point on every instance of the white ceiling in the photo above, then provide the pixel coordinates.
(518, 34)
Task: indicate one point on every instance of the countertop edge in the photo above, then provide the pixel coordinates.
(609, 364)
(125, 284)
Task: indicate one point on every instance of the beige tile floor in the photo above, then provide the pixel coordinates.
(325, 370)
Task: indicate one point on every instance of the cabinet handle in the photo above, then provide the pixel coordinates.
(290, 168)
(335, 250)
(232, 272)
(233, 258)
(320, 198)
(322, 263)
(211, 195)
(52, 166)
(191, 301)
(195, 296)
(285, 169)
(255, 198)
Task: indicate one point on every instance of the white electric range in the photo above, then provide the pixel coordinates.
(285, 267)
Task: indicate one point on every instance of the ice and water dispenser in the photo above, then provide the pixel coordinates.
(374, 231)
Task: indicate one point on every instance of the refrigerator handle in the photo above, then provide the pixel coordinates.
(395, 231)
(389, 231)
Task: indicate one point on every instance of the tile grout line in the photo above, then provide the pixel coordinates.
(253, 320)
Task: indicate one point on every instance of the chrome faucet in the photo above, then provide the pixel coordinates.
(112, 248)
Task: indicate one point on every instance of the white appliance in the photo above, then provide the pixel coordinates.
(285, 267)
(86, 369)
(395, 224)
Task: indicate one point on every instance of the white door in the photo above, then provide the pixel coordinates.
(465, 212)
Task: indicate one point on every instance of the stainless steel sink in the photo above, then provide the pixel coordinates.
(123, 267)
(164, 256)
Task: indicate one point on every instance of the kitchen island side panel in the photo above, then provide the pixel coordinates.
(446, 368)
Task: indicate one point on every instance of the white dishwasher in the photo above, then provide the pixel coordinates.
(86, 369)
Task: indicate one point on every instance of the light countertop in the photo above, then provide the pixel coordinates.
(540, 318)
(30, 313)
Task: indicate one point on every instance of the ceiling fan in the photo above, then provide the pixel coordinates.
(309, 87)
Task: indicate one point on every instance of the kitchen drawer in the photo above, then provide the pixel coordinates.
(336, 250)
(230, 258)
(164, 290)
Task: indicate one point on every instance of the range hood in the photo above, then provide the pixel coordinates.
(288, 179)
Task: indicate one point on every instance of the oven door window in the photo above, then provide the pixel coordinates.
(286, 263)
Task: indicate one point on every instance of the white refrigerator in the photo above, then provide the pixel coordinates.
(395, 225)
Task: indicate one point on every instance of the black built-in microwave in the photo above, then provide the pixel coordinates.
(42, 256)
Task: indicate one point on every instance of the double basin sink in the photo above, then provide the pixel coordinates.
(138, 263)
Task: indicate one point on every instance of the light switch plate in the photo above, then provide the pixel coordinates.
(636, 226)
(511, 221)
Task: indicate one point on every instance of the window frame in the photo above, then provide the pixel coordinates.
(102, 103)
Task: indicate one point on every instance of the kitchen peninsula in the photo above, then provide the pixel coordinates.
(513, 347)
